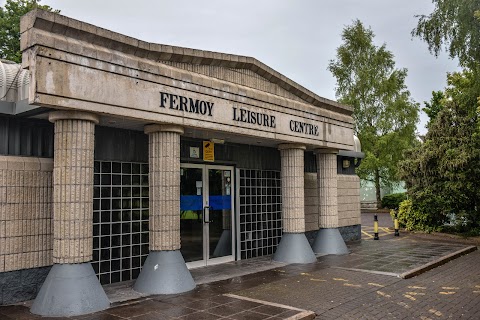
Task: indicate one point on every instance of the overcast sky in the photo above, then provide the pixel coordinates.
(295, 37)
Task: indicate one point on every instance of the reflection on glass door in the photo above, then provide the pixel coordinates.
(220, 213)
(206, 203)
(191, 209)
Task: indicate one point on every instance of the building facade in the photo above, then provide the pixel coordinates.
(122, 159)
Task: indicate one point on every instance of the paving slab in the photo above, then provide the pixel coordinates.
(400, 257)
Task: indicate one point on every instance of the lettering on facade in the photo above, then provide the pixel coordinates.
(303, 127)
(181, 103)
(258, 118)
(201, 107)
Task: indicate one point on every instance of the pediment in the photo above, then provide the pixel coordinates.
(242, 70)
(241, 76)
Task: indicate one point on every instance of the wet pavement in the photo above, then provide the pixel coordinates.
(450, 291)
(366, 284)
(400, 257)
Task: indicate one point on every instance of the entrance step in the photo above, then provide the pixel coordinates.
(122, 291)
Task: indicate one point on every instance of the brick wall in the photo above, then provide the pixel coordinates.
(348, 200)
(311, 202)
(25, 212)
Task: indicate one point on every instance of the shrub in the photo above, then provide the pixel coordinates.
(412, 219)
(392, 201)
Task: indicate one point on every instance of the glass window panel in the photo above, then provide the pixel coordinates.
(126, 240)
(126, 191)
(126, 168)
(116, 167)
(115, 265)
(116, 192)
(126, 275)
(136, 238)
(96, 267)
(126, 180)
(115, 277)
(105, 255)
(136, 215)
(136, 262)
(116, 228)
(135, 168)
(135, 273)
(96, 192)
(105, 278)
(136, 227)
(136, 192)
(116, 241)
(136, 180)
(116, 179)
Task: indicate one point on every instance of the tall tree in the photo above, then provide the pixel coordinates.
(455, 25)
(385, 115)
(433, 107)
(10, 26)
(442, 175)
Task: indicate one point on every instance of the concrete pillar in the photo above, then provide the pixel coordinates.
(72, 288)
(164, 271)
(294, 246)
(328, 239)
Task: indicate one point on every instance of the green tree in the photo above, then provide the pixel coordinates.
(10, 26)
(433, 107)
(443, 174)
(385, 115)
(455, 26)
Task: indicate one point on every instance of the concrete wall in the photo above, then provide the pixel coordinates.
(348, 201)
(244, 77)
(25, 212)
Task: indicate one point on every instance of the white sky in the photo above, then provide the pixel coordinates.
(296, 38)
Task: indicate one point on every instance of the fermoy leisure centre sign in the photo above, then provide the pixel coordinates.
(201, 107)
(239, 115)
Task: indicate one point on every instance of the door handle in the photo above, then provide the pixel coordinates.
(204, 215)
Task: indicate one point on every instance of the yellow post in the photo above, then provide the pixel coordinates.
(395, 222)
(375, 227)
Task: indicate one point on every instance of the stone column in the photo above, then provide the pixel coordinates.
(71, 287)
(294, 246)
(328, 239)
(164, 271)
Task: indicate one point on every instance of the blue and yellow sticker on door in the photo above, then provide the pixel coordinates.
(208, 151)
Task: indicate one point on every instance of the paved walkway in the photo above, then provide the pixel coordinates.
(449, 291)
(362, 285)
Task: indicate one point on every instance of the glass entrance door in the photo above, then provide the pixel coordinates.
(206, 211)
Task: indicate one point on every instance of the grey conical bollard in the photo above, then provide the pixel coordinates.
(164, 272)
(329, 241)
(70, 290)
(294, 248)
